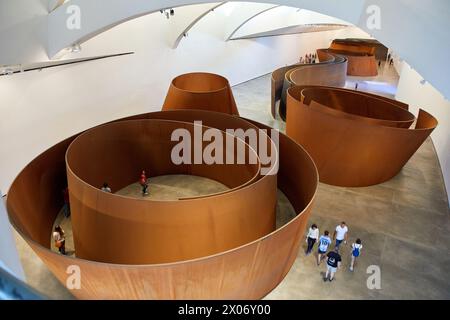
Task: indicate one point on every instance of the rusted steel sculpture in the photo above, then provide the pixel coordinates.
(201, 91)
(245, 264)
(369, 46)
(203, 227)
(360, 64)
(356, 139)
(331, 71)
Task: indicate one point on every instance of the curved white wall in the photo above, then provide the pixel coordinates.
(419, 94)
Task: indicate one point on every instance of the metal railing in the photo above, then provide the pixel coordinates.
(12, 288)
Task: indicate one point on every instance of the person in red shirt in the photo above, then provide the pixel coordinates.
(143, 183)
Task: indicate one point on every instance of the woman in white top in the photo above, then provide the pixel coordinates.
(356, 251)
(60, 239)
(312, 237)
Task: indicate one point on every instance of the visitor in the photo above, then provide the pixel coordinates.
(143, 183)
(324, 242)
(106, 188)
(311, 238)
(340, 234)
(333, 263)
(60, 239)
(356, 86)
(66, 207)
(356, 252)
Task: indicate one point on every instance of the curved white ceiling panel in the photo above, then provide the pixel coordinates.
(186, 18)
(414, 29)
(241, 13)
(303, 28)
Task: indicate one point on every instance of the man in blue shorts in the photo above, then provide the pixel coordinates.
(341, 234)
(324, 242)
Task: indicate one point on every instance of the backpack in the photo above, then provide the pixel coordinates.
(355, 252)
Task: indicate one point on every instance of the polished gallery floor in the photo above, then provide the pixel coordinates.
(404, 224)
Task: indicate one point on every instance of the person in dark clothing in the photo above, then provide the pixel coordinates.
(333, 263)
(66, 207)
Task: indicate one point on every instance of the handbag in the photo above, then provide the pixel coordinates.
(58, 244)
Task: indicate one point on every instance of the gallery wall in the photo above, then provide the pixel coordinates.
(414, 90)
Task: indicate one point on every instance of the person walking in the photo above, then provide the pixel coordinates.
(143, 183)
(340, 234)
(311, 238)
(333, 263)
(356, 252)
(324, 242)
(60, 239)
(106, 188)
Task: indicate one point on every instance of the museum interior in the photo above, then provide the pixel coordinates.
(187, 149)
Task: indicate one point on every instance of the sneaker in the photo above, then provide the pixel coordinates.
(325, 279)
(331, 280)
(351, 269)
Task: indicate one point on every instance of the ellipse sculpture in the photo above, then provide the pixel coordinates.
(331, 71)
(102, 222)
(248, 271)
(201, 91)
(356, 139)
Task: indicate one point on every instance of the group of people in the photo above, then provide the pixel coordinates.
(333, 257)
(143, 181)
(309, 58)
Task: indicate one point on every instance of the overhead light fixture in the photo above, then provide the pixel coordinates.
(75, 48)
(167, 12)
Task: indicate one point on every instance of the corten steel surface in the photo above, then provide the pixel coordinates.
(246, 272)
(355, 139)
(117, 229)
(331, 71)
(360, 64)
(201, 91)
(369, 46)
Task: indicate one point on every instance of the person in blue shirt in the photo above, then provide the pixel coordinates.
(324, 242)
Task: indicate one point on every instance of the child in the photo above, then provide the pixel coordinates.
(356, 251)
(324, 242)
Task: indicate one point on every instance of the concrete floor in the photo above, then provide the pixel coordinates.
(404, 224)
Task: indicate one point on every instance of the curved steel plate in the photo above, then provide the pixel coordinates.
(355, 139)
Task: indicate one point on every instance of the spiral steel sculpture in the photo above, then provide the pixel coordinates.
(220, 246)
